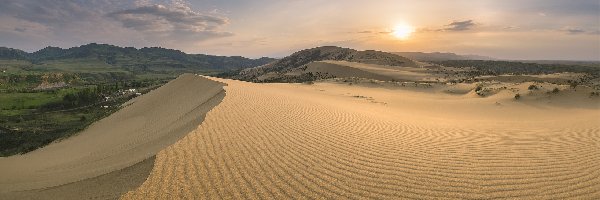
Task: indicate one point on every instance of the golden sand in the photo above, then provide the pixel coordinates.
(293, 141)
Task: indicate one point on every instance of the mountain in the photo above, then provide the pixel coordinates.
(278, 71)
(129, 57)
(9, 53)
(437, 56)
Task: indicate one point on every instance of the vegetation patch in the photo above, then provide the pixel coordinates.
(517, 96)
(34, 119)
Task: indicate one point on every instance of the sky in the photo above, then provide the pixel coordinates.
(507, 29)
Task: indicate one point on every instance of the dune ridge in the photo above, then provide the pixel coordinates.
(133, 134)
(294, 141)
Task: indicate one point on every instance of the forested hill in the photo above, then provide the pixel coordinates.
(145, 58)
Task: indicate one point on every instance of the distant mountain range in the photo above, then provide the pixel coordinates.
(154, 57)
(437, 56)
(276, 71)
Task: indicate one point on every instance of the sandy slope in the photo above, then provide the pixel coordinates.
(394, 72)
(107, 186)
(335, 141)
(132, 135)
(342, 69)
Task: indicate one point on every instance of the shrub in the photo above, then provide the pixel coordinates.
(517, 96)
(479, 91)
(574, 84)
(478, 88)
(532, 87)
(555, 90)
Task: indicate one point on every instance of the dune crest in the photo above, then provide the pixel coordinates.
(133, 134)
(332, 141)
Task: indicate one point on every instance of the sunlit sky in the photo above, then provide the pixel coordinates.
(507, 29)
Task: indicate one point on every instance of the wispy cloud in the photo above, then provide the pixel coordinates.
(20, 29)
(176, 19)
(456, 26)
(181, 17)
(460, 25)
(576, 31)
(511, 28)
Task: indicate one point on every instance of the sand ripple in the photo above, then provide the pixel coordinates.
(268, 142)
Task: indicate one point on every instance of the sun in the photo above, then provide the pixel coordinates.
(403, 31)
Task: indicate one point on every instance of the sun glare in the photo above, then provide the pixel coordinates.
(403, 31)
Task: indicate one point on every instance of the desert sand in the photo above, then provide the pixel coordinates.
(341, 69)
(115, 154)
(339, 141)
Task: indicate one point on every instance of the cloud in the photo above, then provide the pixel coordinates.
(174, 20)
(50, 12)
(20, 29)
(31, 24)
(561, 7)
(373, 32)
(460, 25)
(576, 31)
(60, 22)
(182, 17)
(454, 26)
(511, 28)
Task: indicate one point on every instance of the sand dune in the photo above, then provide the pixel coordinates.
(334, 141)
(393, 72)
(342, 69)
(134, 134)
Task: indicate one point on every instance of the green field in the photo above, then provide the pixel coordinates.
(31, 120)
(17, 101)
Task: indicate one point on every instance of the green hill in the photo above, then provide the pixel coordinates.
(100, 58)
